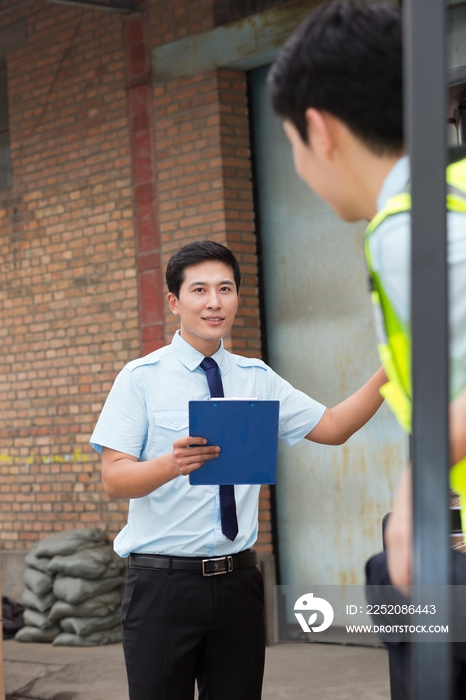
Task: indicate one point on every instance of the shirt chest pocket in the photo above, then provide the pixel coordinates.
(169, 425)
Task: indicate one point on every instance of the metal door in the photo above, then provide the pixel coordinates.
(320, 337)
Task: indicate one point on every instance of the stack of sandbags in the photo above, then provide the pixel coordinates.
(86, 590)
(37, 600)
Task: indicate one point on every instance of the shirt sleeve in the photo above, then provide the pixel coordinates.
(299, 413)
(123, 423)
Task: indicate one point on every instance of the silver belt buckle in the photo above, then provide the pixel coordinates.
(228, 560)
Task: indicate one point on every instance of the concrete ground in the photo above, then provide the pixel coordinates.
(292, 672)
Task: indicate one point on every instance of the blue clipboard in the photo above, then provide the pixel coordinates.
(247, 432)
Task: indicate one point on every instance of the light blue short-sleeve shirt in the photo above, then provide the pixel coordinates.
(147, 410)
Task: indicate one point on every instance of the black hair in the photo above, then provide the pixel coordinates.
(198, 252)
(346, 59)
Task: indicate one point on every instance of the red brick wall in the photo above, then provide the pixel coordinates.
(68, 294)
(144, 171)
(87, 229)
(238, 205)
(174, 19)
(204, 181)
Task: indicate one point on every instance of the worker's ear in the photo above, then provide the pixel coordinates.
(321, 131)
(173, 303)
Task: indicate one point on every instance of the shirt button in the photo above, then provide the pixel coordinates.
(217, 527)
(176, 425)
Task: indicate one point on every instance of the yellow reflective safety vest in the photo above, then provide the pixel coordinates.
(394, 337)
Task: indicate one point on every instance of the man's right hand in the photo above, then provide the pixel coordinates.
(190, 453)
(125, 476)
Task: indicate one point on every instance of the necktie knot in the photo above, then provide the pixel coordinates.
(208, 363)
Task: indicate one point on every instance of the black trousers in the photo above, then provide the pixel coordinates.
(399, 652)
(180, 627)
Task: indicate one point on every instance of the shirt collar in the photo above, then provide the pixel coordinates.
(395, 182)
(192, 358)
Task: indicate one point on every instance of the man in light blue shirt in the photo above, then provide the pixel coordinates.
(179, 624)
(391, 258)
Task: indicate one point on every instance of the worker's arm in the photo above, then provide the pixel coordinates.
(339, 423)
(398, 536)
(124, 476)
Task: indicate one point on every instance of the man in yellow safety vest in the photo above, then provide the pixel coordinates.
(337, 85)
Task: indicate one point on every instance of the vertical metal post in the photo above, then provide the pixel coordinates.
(425, 120)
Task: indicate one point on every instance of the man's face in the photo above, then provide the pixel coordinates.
(306, 162)
(323, 174)
(206, 305)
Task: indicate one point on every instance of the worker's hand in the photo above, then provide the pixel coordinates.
(398, 535)
(190, 453)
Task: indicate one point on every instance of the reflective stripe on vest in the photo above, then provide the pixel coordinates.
(393, 336)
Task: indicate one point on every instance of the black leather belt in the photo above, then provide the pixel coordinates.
(206, 567)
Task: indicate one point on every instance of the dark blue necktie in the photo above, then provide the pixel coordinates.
(227, 492)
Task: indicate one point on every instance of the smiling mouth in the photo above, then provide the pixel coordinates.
(213, 319)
